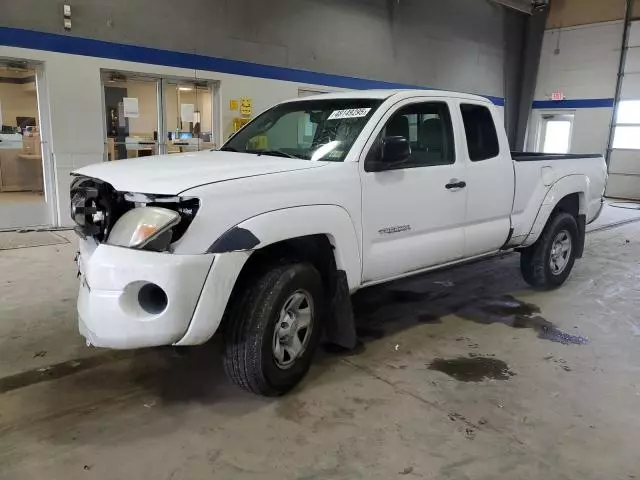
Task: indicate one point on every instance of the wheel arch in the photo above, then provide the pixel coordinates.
(568, 195)
(323, 229)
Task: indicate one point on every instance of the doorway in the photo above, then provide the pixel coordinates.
(131, 106)
(189, 118)
(147, 115)
(24, 200)
(555, 133)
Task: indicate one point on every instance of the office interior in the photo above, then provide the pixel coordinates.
(21, 178)
(155, 115)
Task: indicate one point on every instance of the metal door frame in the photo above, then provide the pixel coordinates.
(45, 213)
(545, 117)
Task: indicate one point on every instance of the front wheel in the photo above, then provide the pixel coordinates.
(547, 263)
(274, 328)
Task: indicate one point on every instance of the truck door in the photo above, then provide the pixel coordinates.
(413, 213)
(490, 179)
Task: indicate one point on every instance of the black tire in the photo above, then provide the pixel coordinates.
(535, 260)
(248, 356)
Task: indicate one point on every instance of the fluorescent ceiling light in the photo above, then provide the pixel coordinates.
(186, 89)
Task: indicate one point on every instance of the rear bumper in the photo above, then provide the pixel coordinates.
(109, 308)
(598, 211)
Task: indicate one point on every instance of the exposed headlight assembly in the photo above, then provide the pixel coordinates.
(144, 227)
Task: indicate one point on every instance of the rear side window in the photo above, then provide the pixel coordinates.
(482, 138)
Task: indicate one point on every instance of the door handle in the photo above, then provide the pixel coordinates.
(454, 183)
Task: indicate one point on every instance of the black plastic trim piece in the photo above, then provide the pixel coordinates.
(582, 228)
(234, 240)
(340, 328)
(535, 156)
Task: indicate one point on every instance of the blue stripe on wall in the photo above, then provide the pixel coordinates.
(52, 42)
(578, 103)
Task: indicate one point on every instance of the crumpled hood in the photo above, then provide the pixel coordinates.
(173, 174)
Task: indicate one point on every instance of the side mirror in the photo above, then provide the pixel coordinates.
(395, 150)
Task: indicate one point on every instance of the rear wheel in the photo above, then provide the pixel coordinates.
(547, 263)
(273, 329)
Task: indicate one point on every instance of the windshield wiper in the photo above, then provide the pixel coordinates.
(275, 153)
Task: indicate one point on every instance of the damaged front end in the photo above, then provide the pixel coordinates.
(129, 219)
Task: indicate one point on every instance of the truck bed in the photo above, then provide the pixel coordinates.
(537, 156)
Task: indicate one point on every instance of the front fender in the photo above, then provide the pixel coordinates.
(568, 185)
(233, 248)
(275, 226)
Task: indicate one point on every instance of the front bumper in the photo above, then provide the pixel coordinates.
(110, 314)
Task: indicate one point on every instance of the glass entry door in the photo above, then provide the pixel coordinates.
(188, 116)
(555, 136)
(23, 152)
(132, 115)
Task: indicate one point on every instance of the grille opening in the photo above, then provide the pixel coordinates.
(96, 207)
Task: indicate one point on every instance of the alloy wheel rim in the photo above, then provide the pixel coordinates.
(293, 329)
(560, 252)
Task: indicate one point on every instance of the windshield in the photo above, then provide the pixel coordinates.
(309, 130)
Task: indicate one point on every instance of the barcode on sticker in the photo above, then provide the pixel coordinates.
(349, 113)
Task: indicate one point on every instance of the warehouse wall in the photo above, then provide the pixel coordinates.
(582, 63)
(457, 45)
(467, 45)
(582, 60)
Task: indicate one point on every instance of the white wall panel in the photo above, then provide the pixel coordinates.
(632, 62)
(591, 130)
(581, 61)
(626, 162)
(631, 87)
(623, 186)
(624, 177)
(634, 35)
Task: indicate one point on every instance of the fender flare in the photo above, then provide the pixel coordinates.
(234, 248)
(563, 187)
(279, 225)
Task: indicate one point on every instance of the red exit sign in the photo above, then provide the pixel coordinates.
(557, 96)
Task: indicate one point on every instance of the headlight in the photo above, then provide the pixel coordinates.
(143, 225)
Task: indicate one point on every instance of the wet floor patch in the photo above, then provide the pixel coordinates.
(370, 302)
(516, 314)
(428, 318)
(472, 369)
(370, 332)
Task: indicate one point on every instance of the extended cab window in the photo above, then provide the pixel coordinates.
(482, 138)
(427, 126)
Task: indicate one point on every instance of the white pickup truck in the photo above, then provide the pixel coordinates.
(316, 198)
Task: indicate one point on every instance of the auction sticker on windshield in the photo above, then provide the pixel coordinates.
(349, 113)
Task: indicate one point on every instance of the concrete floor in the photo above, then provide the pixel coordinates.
(552, 410)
